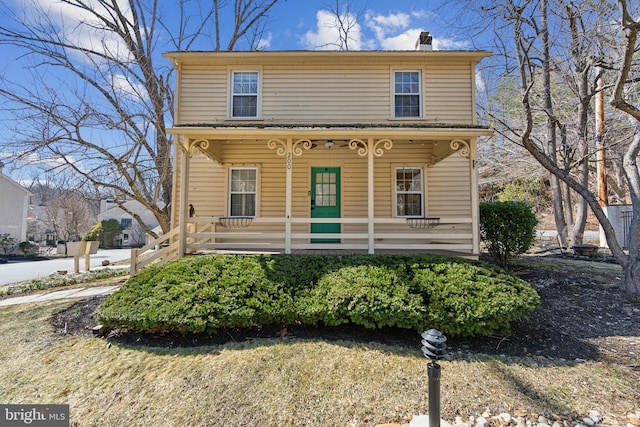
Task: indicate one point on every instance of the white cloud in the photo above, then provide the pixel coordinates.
(265, 43)
(20, 160)
(480, 84)
(392, 22)
(423, 14)
(126, 89)
(404, 41)
(327, 36)
(386, 27)
(449, 44)
(79, 26)
(398, 31)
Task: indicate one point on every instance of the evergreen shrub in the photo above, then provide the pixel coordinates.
(29, 248)
(106, 232)
(507, 228)
(211, 293)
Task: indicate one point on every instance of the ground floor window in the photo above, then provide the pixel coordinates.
(409, 192)
(243, 191)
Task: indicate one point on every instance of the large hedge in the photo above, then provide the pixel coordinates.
(210, 293)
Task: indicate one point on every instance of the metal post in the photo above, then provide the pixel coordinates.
(434, 347)
(434, 394)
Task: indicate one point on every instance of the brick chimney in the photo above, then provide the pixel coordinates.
(424, 41)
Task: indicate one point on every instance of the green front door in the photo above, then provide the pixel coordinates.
(325, 201)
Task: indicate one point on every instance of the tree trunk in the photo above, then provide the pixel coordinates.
(631, 283)
(558, 211)
(551, 143)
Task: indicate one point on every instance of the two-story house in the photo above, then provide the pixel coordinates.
(132, 234)
(349, 151)
(13, 208)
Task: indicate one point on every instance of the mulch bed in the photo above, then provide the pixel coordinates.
(583, 316)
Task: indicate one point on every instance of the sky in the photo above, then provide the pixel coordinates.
(292, 25)
(381, 25)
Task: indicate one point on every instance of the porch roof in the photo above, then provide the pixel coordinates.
(398, 130)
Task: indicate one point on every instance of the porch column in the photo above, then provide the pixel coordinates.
(475, 204)
(184, 196)
(289, 149)
(371, 149)
(370, 198)
(288, 196)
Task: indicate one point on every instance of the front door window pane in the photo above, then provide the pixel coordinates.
(326, 189)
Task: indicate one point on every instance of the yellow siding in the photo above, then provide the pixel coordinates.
(203, 94)
(324, 94)
(449, 192)
(447, 189)
(206, 186)
(449, 93)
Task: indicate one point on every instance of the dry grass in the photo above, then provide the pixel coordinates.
(281, 382)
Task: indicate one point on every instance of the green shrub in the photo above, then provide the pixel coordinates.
(29, 248)
(365, 295)
(532, 191)
(7, 243)
(106, 232)
(217, 292)
(478, 300)
(507, 228)
(95, 233)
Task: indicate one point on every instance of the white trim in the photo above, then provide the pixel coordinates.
(255, 192)
(394, 182)
(394, 94)
(258, 93)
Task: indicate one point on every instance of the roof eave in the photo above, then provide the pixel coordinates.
(328, 132)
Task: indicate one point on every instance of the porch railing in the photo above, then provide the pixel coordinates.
(207, 234)
(164, 248)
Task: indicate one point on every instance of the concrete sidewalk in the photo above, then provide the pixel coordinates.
(77, 293)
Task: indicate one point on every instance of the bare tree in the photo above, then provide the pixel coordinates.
(69, 216)
(345, 18)
(527, 68)
(99, 96)
(555, 51)
(627, 75)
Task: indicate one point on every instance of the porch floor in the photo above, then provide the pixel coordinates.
(339, 252)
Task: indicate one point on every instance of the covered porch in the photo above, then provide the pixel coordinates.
(369, 224)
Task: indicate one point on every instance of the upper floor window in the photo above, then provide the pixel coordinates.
(409, 192)
(126, 223)
(244, 94)
(407, 94)
(243, 192)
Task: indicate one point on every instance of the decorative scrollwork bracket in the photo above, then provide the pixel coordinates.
(461, 147)
(194, 146)
(364, 147)
(281, 146)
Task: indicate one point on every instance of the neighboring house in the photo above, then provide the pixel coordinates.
(356, 151)
(13, 208)
(132, 234)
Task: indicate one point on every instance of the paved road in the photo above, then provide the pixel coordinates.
(29, 270)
